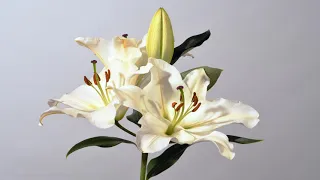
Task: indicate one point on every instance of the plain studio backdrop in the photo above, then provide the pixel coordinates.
(269, 51)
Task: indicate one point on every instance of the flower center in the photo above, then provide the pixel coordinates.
(96, 80)
(180, 111)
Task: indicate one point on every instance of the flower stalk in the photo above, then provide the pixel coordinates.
(143, 169)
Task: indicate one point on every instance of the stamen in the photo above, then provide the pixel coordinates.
(87, 81)
(179, 106)
(125, 35)
(174, 104)
(196, 108)
(96, 78)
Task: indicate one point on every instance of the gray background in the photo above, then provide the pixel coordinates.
(269, 51)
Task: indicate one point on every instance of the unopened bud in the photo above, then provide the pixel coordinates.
(160, 40)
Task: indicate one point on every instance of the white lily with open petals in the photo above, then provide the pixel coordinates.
(176, 109)
(124, 61)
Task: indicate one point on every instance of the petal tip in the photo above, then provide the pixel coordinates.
(79, 40)
(40, 124)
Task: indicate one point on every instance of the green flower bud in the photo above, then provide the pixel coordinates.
(160, 42)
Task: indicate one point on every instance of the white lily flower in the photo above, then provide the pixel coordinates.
(124, 60)
(177, 110)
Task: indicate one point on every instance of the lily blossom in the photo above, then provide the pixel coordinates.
(124, 61)
(176, 109)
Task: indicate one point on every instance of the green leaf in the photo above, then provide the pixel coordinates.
(189, 44)
(165, 160)
(242, 140)
(134, 117)
(100, 141)
(212, 73)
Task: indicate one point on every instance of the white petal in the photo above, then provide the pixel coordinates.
(165, 78)
(83, 98)
(99, 46)
(222, 142)
(143, 42)
(214, 114)
(198, 81)
(134, 97)
(135, 77)
(235, 112)
(152, 137)
(131, 96)
(104, 117)
(151, 143)
(126, 49)
(55, 110)
(184, 137)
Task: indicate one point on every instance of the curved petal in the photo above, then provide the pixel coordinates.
(222, 142)
(126, 49)
(152, 137)
(135, 77)
(99, 46)
(162, 87)
(183, 137)
(198, 81)
(215, 114)
(103, 117)
(55, 110)
(143, 42)
(235, 112)
(131, 96)
(134, 97)
(83, 98)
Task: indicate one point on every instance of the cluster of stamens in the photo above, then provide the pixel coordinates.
(179, 109)
(96, 80)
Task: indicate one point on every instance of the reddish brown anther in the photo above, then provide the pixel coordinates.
(87, 81)
(179, 87)
(96, 78)
(107, 74)
(196, 108)
(195, 99)
(125, 35)
(179, 106)
(174, 104)
(94, 61)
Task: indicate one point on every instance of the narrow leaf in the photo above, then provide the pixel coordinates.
(242, 140)
(134, 117)
(212, 73)
(165, 160)
(100, 141)
(189, 44)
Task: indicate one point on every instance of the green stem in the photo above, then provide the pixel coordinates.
(144, 159)
(124, 129)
